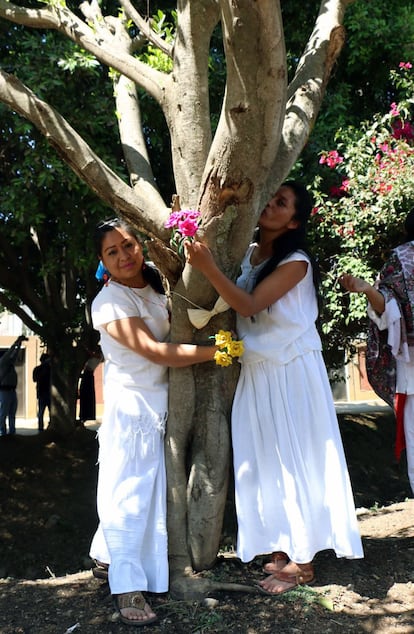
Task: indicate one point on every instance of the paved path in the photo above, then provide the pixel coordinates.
(343, 407)
(28, 426)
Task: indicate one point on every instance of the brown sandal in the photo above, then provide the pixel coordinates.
(273, 566)
(100, 571)
(133, 600)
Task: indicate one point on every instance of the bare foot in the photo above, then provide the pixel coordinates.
(288, 577)
(278, 560)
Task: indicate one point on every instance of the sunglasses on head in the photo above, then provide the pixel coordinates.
(112, 222)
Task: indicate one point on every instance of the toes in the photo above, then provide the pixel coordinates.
(278, 560)
(134, 614)
(265, 582)
(275, 586)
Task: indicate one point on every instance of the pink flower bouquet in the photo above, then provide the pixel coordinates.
(184, 225)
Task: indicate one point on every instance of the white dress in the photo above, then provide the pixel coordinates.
(131, 497)
(292, 486)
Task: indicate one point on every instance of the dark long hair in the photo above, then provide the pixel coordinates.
(150, 274)
(294, 239)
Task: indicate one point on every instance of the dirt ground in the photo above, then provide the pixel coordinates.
(47, 518)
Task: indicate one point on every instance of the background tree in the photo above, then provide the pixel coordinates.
(47, 261)
(227, 170)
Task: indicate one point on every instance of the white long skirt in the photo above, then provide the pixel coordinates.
(292, 486)
(409, 436)
(131, 498)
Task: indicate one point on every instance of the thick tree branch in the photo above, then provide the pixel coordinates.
(324, 45)
(130, 132)
(307, 89)
(130, 126)
(17, 309)
(149, 213)
(183, 95)
(16, 274)
(101, 42)
(251, 119)
(186, 105)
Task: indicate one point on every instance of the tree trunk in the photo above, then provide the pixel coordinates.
(65, 369)
(198, 451)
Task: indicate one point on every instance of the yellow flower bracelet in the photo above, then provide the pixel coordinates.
(228, 348)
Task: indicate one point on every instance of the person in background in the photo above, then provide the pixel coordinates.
(8, 384)
(41, 376)
(87, 396)
(390, 343)
(293, 493)
(130, 313)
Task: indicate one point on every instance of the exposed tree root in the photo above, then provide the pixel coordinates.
(196, 588)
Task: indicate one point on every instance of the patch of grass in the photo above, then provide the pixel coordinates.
(200, 618)
(307, 597)
(206, 621)
(375, 507)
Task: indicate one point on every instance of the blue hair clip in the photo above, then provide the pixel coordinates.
(102, 274)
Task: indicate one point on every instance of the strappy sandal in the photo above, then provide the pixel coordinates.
(100, 570)
(303, 577)
(133, 600)
(273, 565)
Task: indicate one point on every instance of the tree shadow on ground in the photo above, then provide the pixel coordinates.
(48, 515)
(376, 476)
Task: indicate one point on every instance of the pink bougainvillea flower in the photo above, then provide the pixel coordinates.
(405, 65)
(403, 131)
(335, 191)
(382, 188)
(331, 159)
(338, 191)
(394, 112)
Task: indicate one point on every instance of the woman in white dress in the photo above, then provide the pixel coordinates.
(130, 313)
(293, 493)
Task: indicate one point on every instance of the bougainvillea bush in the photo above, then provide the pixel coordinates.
(363, 192)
